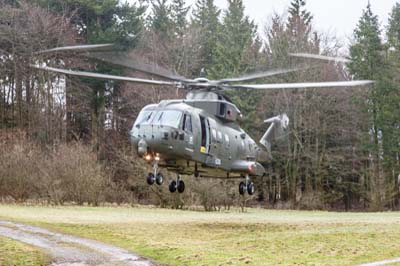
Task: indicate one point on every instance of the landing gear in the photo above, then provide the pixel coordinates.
(247, 185)
(156, 177)
(177, 184)
(150, 179)
(159, 179)
(172, 186)
(181, 186)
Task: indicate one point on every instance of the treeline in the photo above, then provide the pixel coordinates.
(342, 152)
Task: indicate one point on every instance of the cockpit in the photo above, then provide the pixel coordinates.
(156, 129)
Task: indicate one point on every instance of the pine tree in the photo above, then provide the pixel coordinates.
(391, 108)
(367, 62)
(237, 35)
(299, 25)
(206, 23)
(393, 32)
(298, 14)
(366, 52)
(161, 21)
(179, 12)
(237, 40)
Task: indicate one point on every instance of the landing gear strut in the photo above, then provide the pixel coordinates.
(177, 184)
(155, 176)
(247, 185)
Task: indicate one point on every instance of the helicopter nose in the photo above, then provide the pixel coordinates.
(142, 147)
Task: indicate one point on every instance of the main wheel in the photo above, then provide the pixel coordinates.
(250, 188)
(159, 179)
(172, 186)
(150, 179)
(242, 188)
(181, 186)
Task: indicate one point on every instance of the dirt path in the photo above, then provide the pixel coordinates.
(66, 250)
(381, 263)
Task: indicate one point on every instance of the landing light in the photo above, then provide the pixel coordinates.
(157, 157)
(147, 157)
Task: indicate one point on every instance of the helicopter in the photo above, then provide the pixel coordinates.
(199, 135)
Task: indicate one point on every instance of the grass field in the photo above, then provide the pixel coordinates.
(14, 253)
(257, 237)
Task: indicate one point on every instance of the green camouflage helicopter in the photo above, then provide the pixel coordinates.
(199, 135)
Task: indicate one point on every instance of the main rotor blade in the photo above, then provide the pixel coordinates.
(123, 59)
(259, 75)
(321, 57)
(79, 48)
(302, 85)
(104, 76)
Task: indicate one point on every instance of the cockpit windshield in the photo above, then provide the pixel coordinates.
(170, 118)
(144, 117)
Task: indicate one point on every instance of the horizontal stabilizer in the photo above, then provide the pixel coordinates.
(277, 130)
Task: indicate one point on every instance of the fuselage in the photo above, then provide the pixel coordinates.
(191, 140)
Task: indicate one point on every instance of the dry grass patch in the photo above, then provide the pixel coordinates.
(16, 253)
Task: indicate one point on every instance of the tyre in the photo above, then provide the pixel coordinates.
(242, 188)
(172, 186)
(150, 179)
(251, 189)
(181, 186)
(159, 179)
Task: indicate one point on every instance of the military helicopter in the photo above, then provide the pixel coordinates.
(199, 135)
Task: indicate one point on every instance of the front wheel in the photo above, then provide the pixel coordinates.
(242, 188)
(150, 179)
(172, 186)
(181, 186)
(159, 179)
(251, 189)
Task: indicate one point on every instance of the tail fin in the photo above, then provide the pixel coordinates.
(276, 130)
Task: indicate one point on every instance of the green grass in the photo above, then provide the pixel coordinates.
(14, 253)
(257, 237)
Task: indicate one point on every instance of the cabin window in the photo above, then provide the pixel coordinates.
(187, 123)
(222, 109)
(219, 136)
(169, 118)
(226, 139)
(214, 135)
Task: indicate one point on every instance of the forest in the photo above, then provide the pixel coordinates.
(64, 140)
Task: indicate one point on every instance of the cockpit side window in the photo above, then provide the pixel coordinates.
(187, 123)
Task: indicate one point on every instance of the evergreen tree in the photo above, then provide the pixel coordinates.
(299, 25)
(391, 108)
(367, 62)
(161, 21)
(393, 32)
(366, 52)
(237, 35)
(206, 23)
(179, 12)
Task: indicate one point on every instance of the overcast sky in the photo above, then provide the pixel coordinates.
(338, 17)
